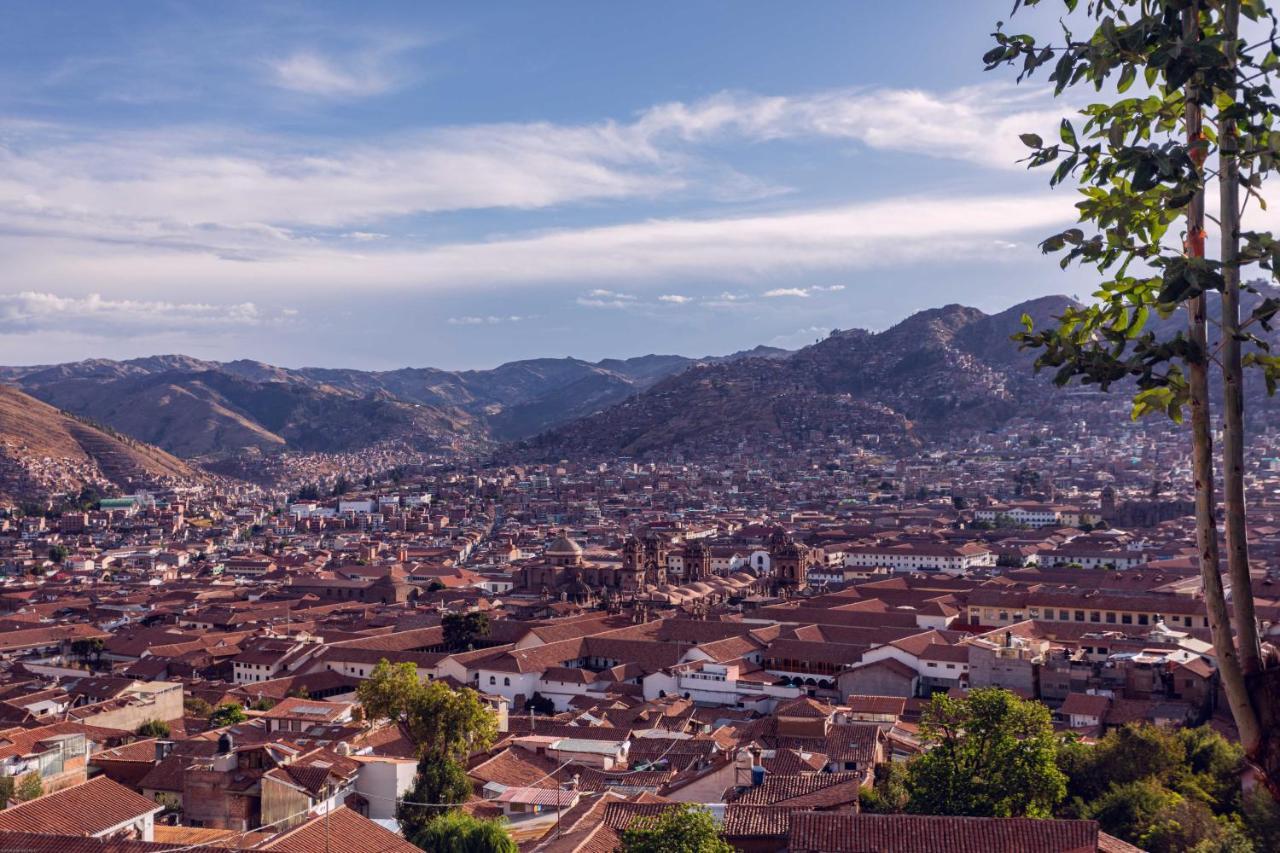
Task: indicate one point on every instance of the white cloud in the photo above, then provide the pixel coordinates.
(803, 292)
(243, 195)
(488, 320)
(979, 124)
(600, 298)
(318, 75)
(875, 235)
(29, 312)
(675, 298)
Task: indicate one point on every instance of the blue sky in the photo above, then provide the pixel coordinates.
(390, 184)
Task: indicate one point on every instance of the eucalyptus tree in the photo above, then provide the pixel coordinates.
(1184, 109)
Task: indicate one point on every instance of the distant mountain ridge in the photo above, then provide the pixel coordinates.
(197, 408)
(942, 366)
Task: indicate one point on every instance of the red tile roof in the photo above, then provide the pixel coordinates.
(89, 809)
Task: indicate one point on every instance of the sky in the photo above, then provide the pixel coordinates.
(380, 185)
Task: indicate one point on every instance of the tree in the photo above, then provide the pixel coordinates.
(684, 829)
(461, 630)
(888, 794)
(456, 832)
(441, 780)
(196, 707)
(6, 791)
(29, 787)
(227, 714)
(440, 720)
(153, 728)
(58, 553)
(389, 690)
(1141, 164)
(992, 755)
(87, 650)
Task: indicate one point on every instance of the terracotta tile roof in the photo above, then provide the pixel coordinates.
(757, 821)
(88, 809)
(340, 831)
(30, 842)
(811, 790)
(866, 833)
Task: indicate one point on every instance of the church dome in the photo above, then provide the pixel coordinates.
(563, 546)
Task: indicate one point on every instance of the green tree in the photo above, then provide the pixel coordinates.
(1141, 163)
(461, 630)
(456, 832)
(440, 720)
(441, 780)
(58, 553)
(991, 754)
(88, 651)
(227, 714)
(153, 728)
(684, 829)
(29, 787)
(196, 707)
(6, 791)
(389, 690)
(888, 794)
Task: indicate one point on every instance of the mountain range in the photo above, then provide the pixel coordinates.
(197, 409)
(936, 371)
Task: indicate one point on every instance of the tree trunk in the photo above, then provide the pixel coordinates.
(1246, 623)
(1215, 599)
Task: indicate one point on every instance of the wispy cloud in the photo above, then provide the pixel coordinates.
(883, 234)
(802, 292)
(30, 311)
(228, 191)
(675, 298)
(600, 298)
(319, 75)
(487, 320)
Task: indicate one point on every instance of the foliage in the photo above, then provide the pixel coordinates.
(86, 649)
(461, 630)
(440, 720)
(1142, 163)
(457, 832)
(227, 714)
(6, 791)
(196, 707)
(685, 829)
(440, 780)
(540, 704)
(153, 728)
(993, 755)
(263, 703)
(888, 794)
(29, 787)
(58, 553)
(1161, 789)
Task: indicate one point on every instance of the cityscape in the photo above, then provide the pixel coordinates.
(556, 477)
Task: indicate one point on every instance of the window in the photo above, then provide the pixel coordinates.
(1079, 615)
(1143, 619)
(506, 682)
(493, 680)
(1111, 618)
(1095, 616)
(1126, 618)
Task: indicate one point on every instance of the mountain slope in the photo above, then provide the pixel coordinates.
(44, 451)
(938, 369)
(198, 408)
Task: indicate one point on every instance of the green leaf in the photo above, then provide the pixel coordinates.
(1068, 134)
(1031, 140)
